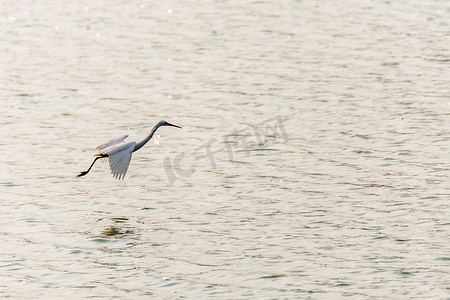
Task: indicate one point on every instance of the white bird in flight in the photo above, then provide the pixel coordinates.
(118, 152)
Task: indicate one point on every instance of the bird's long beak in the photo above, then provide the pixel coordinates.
(168, 124)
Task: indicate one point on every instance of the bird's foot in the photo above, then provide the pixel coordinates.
(82, 174)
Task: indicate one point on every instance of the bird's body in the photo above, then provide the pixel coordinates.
(118, 152)
(119, 156)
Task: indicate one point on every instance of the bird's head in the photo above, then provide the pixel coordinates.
(165, 123)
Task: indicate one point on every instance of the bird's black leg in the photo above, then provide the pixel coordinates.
(85, 172)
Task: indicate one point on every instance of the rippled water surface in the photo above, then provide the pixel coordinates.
(313, 160)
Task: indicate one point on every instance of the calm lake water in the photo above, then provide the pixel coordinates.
(313, 160)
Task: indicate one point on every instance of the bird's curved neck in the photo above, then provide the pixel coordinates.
(147, 138)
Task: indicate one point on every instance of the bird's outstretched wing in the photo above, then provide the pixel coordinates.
(112, 142)
(119, 159)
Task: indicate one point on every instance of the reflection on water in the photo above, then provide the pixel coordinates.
(350, 200)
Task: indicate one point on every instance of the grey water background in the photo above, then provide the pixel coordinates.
(354, 203)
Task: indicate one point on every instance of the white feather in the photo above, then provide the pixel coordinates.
(119, 156)
(115, 141)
